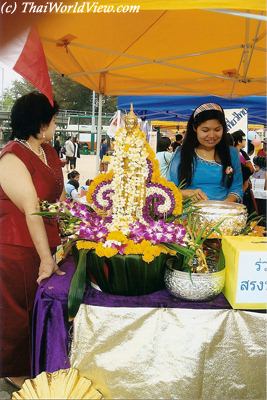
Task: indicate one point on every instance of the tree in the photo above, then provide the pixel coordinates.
(18, 88)
(70, 95)
(110, 104)
(7, 100)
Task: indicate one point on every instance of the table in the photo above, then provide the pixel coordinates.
(153, 346)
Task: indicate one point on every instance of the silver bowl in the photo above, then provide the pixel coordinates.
(198, 287)
(211, 212)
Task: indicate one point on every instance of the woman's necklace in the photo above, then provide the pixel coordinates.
(205, 155)
(41, 154)
(205, 158)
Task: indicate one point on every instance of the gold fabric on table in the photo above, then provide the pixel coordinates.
(184, 354)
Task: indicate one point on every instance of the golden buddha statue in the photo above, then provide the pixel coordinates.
(131, 121)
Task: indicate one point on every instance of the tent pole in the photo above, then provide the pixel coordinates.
(254, 41)
(93, 113)
(99, 130)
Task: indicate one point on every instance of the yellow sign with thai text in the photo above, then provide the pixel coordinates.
(245, 271)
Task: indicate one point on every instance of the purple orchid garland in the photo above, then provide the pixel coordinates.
(94, 228)
(106, 196)
(157, 199)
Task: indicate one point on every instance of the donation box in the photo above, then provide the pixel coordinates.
(245, 271)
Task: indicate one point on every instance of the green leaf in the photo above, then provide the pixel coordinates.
(212, 230)
(182, 184)
(127, 275)
(200, 235)
(77, 286)
(97, 271)
(185, 251)
(221, 261)
(46, 214)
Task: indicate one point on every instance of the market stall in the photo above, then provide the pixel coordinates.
(152, 345)
(129, 332)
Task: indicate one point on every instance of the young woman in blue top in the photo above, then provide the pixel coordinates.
(208, 166)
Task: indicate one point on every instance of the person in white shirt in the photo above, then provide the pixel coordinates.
(76, 152)
(164, 154)
(69, 147)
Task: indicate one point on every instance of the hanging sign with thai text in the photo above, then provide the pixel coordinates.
(236, 118)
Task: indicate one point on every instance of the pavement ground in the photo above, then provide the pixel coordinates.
(86, 166)
(6, 390)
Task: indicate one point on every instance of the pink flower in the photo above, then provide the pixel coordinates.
(229, 170)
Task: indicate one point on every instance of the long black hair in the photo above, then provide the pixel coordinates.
(238, 137)
(190, 143)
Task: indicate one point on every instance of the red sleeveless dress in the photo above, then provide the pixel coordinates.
(19, 261)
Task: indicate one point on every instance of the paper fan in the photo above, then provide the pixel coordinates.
(62, 384)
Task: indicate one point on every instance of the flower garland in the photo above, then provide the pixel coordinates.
(143, 240)
(91, 230)
(134, 185)
(127, 200)
(144, 248)
(163, 188)
(99, 194)
(128, 184)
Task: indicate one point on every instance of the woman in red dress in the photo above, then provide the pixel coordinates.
(30, 171)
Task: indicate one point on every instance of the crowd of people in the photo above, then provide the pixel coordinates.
(70, 151)
(202, 163)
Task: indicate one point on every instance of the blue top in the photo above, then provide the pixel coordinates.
(164, 159)
(71, 191)
(207, 176)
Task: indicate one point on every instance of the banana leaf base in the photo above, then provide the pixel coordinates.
(126, 275)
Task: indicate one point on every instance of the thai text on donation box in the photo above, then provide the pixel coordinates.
(245, 271)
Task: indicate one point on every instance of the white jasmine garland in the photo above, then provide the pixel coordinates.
(130, 173)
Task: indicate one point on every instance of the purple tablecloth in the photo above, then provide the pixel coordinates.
(51, 329)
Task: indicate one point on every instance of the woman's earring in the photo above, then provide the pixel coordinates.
(43, 135)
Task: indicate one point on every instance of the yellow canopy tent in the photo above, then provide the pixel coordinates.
(195, 47)
(169, 47)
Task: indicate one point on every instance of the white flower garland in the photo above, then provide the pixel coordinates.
(130, 174)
